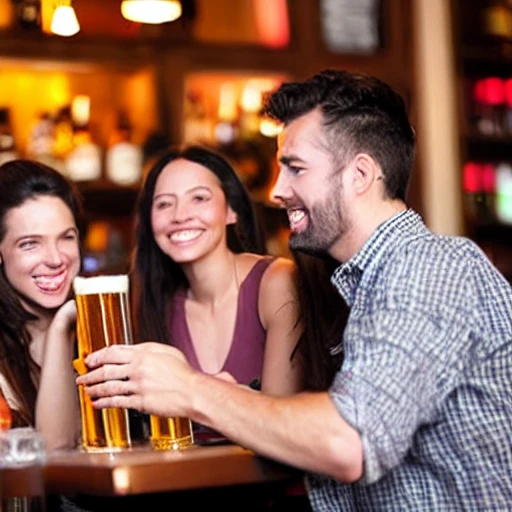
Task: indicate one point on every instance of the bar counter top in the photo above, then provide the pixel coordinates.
(143, 470)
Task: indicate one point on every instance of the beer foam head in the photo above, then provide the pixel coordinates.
(100, 284)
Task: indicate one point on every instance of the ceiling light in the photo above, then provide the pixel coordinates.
(64, 21)
(151, 11)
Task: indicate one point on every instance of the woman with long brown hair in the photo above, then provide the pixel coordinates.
(40, 226)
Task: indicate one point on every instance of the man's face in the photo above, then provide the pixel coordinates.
(310, 187)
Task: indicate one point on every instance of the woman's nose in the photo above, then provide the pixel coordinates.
(181, 212)
(53, 255)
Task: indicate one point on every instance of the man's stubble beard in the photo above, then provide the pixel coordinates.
(326, 225)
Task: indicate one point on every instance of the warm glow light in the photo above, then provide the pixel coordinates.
(227, 102)
(151, 11)
(65, 22)
(270, 128)
(472, 178)
(251, 97)
(80, 110)
(272, 22)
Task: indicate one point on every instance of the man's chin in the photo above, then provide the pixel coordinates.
(301, 242)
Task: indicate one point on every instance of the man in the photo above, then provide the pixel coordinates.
(418, 417)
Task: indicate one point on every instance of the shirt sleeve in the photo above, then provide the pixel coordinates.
(401, 359)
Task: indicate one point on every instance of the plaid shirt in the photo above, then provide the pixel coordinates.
(427, 375)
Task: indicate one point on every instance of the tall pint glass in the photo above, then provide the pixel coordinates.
(103, 319)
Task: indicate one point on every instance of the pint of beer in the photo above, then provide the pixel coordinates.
(103, 319)
(170, 433)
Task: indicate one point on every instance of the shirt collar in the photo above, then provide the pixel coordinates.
(347, 276)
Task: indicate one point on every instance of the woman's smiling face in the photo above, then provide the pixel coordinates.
(40, 252)
(189, 213)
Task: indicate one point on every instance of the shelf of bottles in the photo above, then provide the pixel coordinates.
(223, 110)
(488, 192)
(92, 124)
(65, 142)
(487, 171)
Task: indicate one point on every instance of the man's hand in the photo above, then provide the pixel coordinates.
(150, 377)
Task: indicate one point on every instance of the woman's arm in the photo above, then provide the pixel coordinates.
(57, 410)
(279, 313)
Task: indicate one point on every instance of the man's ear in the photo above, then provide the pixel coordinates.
(231, 217)
(366, 172)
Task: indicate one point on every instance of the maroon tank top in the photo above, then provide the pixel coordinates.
(245, 357)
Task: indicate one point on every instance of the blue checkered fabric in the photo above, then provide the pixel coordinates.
(427, 375)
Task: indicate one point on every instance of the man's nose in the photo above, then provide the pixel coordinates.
(281, 189)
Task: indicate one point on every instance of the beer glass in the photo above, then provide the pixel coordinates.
(103, 319)
(170, 433)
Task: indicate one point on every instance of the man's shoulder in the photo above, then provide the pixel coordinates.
(428, 260)
(429, 249)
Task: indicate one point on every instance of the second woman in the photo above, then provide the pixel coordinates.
(203, 285)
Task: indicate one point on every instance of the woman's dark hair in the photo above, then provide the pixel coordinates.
(324, 315)
(157, 277)
(21, 180)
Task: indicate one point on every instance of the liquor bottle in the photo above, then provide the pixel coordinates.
(62, 137)
(497, 20)
(41, 140)
(28, 13)
(7, 147)
(124, 159)
(84, 161)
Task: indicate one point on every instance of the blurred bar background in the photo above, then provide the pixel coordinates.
(100, 101)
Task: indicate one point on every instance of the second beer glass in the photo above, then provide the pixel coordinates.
(170, 433)
(103, 319)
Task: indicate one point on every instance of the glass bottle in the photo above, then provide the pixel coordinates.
(28, 13)
(123, 158)
(7, 147)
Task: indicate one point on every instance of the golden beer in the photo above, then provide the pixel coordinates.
(103, 319)
(170, 433)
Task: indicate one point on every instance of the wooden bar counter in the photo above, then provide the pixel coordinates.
(142, 470)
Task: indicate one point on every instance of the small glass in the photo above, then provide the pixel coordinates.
(170, 433)
(22, 457)
(21, 447)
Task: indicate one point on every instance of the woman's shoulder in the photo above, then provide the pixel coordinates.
(276, 267)
(279, 277)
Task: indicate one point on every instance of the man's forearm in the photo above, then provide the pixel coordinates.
(304, 430)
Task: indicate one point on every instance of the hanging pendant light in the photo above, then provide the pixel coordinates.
(64, 21)
(151, 11)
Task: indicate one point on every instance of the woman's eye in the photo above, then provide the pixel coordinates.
(161, 205)
(295, 170)
(27, 244)
(200, 199)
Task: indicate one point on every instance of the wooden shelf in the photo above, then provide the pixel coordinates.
(488, 148)
(485, 62)
(106, 199)
(493, 231)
